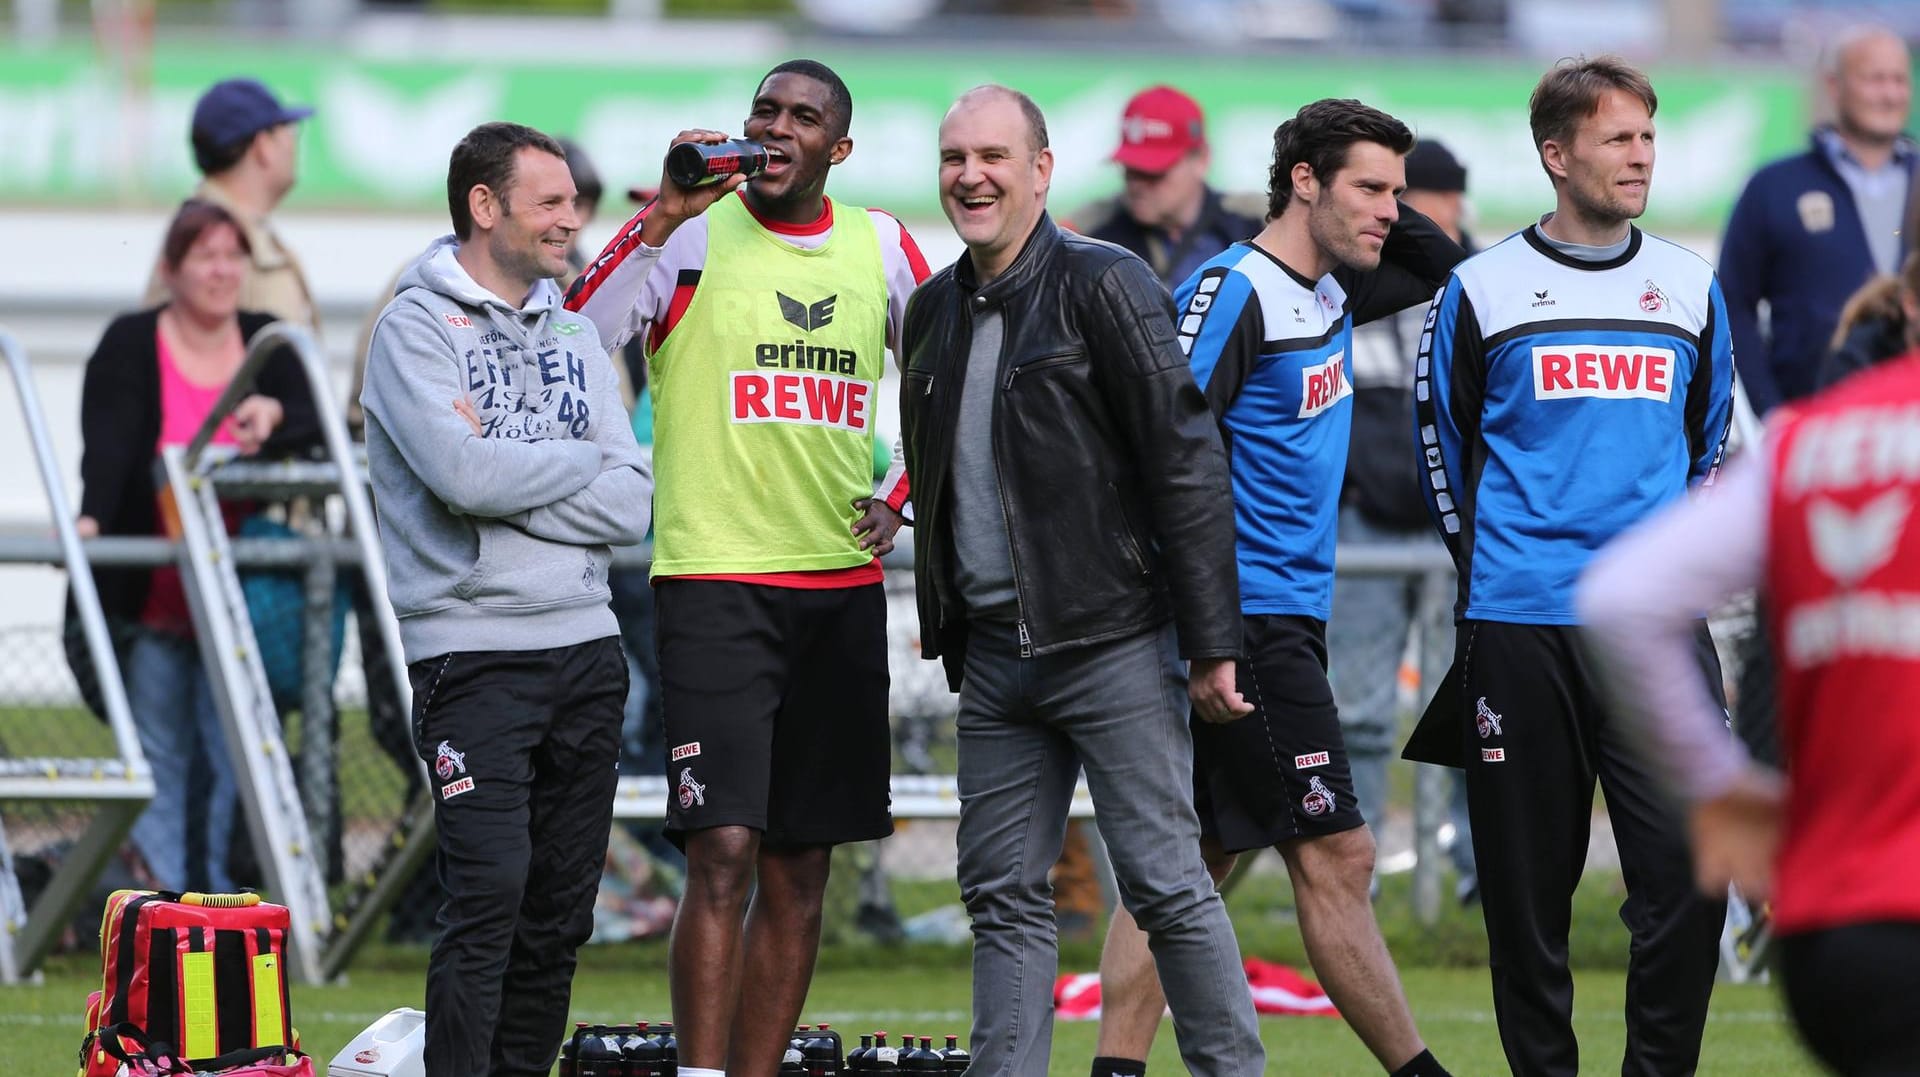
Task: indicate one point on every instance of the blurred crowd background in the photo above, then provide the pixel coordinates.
(97, 98)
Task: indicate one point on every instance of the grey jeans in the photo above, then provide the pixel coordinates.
(1027, 726)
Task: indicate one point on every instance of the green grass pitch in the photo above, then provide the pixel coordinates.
(925, 991)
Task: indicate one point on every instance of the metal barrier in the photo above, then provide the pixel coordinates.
(286, 808)
(283, 813)
(121, 786)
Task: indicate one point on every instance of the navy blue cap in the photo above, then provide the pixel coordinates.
(1431, 167)
(237, 109)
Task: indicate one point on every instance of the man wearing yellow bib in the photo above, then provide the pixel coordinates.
(766, 315)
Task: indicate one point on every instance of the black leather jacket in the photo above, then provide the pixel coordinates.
(1119, 512)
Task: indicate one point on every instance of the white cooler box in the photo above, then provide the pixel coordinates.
(390, 1047)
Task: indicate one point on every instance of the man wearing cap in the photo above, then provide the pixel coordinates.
(1166, 213)
(245, 144)
(1168, 216)
(1380, 505)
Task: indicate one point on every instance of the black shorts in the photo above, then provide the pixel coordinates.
(1851, 989)
(774, 701)
(1281, 772)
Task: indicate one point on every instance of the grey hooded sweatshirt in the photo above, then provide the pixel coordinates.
(498, 540)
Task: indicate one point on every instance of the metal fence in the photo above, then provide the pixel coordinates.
(337, 736)
(359, 783)
(87, 790)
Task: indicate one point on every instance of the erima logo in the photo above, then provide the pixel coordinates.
(1540, 299)
(1851, 545)
(807, 317)
(1323, 386)
(1565, 371)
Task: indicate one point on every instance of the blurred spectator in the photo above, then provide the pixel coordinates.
(245, 144)
(588, 189)
(1166, 213)
(1873, 324)
(246, 147)
(1380, 504)
(152, 381)
(1808, 232)
(643, 736)
(1811, 229)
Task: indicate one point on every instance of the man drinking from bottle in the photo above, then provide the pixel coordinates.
(765, 309)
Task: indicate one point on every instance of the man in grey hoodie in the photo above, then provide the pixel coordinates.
(503, 467)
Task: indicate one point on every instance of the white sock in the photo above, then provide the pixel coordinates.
(695, 1071)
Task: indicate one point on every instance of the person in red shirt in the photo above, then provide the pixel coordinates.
(1818, 517)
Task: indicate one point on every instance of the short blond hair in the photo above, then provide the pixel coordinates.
(1571, 91)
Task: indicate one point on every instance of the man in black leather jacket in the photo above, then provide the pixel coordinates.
(1074, 543)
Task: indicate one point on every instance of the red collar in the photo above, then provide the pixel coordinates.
(811, 228)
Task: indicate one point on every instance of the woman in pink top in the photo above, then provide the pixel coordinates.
(152, 381)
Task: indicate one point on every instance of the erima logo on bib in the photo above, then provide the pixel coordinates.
(1607, 372)
(1323, 386)
(807, 317)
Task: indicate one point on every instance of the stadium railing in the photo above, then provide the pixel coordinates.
(335, 812)
(91, 795)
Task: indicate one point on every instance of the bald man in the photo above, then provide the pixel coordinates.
(1809, 230)
(1078, 630)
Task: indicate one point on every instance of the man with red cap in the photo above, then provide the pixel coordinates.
(1168, 216)
(1166, 213)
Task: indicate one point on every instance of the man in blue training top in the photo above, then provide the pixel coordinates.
(1268, 325)
(1576, 377)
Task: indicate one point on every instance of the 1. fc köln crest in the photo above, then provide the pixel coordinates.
(1319, 799)
(691, 791)
(1485, 720)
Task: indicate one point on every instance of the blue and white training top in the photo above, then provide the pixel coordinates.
(1269, 348)
(1559, 401)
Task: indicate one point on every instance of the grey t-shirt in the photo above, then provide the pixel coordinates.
(982, 554)
(1584, 251)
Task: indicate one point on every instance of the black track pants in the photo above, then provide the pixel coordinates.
(523, 748)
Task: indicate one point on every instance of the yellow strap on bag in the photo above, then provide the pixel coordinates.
(201, 1038)
(269, 1021)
